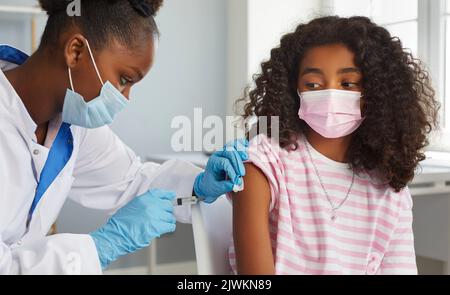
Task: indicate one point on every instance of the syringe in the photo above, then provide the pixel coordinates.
(182, 201)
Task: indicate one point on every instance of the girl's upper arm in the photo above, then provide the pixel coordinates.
(251, 225)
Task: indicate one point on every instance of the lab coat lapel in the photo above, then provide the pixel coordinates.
(53, 199)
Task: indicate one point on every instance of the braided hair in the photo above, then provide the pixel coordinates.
(101, 21)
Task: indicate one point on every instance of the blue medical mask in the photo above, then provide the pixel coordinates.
(96, 113)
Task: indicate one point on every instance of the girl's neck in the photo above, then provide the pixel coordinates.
(334, 149)
(38, 85)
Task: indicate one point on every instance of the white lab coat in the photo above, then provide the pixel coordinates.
(102, 173)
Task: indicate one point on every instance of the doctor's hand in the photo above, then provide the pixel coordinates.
(223, 172)
(135, 225)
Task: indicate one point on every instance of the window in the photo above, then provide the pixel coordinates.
(446, 102)
(21, 25)
(400, 17)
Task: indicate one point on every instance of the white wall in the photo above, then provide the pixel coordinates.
(269, 20)
(190, 71)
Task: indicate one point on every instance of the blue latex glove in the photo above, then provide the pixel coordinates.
(224, 170)
(134, 226)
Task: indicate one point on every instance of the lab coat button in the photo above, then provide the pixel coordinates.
(19, 242)
(36, 152)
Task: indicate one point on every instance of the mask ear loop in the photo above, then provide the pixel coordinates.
(93, 60)
(70, 80)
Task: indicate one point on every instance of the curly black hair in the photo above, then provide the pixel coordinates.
(101, 21)
(400, 105)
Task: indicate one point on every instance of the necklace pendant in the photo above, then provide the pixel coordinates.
(333, 216)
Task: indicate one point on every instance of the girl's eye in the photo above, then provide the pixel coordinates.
(312, 85)
(349, 85)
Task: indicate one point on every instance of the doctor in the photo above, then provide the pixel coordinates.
(54, 142)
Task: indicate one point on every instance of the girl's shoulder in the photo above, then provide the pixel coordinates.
(403, 197)
(265, 149)
(264, 153)
(262, 145)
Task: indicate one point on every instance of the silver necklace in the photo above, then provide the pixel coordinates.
(334, 208)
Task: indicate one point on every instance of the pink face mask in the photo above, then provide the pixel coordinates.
(332, 113)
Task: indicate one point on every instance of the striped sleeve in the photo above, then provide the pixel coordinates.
(264, 154)
(400, 257)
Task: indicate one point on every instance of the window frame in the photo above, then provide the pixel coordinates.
(432, 40)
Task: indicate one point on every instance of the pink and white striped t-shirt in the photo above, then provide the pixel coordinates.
(372, 232)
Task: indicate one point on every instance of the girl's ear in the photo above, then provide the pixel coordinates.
(74, 50)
